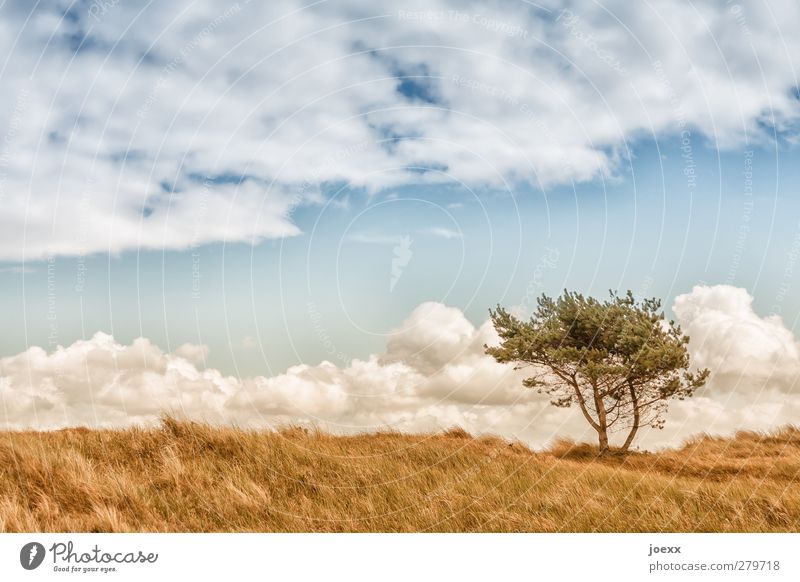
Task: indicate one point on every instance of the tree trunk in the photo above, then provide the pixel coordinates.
(602, 424)
(602, 436)
(636, 418)
(626, 445)
(584, 410)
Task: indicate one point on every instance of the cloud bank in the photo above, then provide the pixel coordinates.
(165, 127)
(432, 375)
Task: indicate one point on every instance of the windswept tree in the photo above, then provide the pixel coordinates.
(620, 361)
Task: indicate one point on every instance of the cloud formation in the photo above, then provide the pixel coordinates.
(432, 375)
(732, 340)
(126, 127)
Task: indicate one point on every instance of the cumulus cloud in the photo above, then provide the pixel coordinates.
(432, 375)
(728, 337)
(754, 362)
(160, 127)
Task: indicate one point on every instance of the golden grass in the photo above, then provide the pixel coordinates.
(193, 477)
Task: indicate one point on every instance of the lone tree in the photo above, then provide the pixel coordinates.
(619, 360)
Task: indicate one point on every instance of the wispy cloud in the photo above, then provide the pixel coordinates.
(442, 232)
(22, 270)
(374, 238)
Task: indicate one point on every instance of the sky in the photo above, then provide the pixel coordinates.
(279, 212)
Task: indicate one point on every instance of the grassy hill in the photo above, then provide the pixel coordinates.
(192, 477)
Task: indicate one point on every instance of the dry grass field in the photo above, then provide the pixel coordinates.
(193, 477)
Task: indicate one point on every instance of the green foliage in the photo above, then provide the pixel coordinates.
(620, 360)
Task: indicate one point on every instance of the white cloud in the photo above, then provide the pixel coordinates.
(106, 149)
(196, 354)
(754, 363)
(373, 238)
(432, 375)
(731, 339)
(442, 232)
(18, 270)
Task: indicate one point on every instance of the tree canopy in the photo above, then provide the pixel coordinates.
(620, 361)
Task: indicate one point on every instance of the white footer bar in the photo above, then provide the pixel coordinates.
(406, 557)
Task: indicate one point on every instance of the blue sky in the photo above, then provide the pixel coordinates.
(203, 203)
(644, 229)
